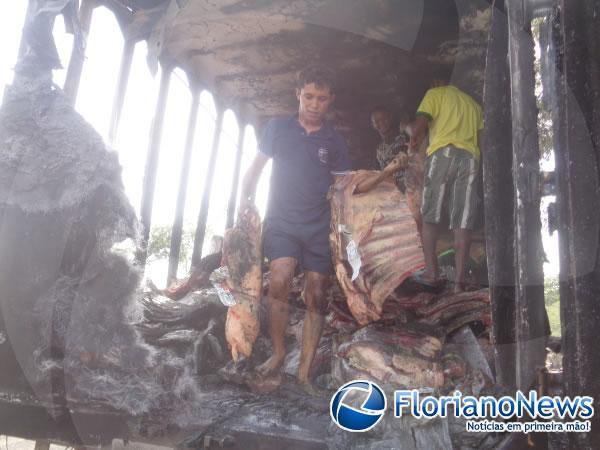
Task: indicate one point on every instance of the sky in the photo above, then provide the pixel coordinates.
(94, 102)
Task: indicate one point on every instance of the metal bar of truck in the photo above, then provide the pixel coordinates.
(73, 77)
(210, 171)
(498, 203)
(119, 99)
(152, 165)
(177, 231)
(531, 324)
(236, 176)
(577, 152)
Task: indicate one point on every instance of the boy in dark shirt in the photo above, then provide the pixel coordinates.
(305, 149)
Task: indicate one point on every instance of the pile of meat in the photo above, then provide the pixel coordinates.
(389, 331)
(379, 325)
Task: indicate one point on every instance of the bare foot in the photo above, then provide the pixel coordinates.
(271, 365)
(265, 384)
(310, 389)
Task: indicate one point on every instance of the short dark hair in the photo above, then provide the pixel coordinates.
(441, 73)
(321, 76)
(381, 108)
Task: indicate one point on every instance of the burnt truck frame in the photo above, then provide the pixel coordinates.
(498, 62)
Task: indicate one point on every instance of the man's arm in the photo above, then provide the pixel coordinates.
(399, 162)
(419, 131)
(251, 177)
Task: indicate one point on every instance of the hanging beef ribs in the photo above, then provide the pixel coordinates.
(242, 258)
(452, 311)
(375, 243)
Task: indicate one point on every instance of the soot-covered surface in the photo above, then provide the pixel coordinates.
(248, 53)
(69, 302)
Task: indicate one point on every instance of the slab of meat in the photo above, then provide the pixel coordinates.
(197, 279)
(404, 357)
(378, 228)
(452, 311)
(242, 257)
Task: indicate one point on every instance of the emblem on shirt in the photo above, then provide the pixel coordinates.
(323, 155)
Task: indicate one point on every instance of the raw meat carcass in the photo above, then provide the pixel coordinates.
(197, 279)
(375, 243)
(242, 257)
(452, 311)
(405, 357)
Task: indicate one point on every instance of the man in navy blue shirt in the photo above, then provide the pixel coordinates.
(305, 149)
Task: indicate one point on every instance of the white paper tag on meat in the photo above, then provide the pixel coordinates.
(225, 295)
(353, 258)
(219, 280)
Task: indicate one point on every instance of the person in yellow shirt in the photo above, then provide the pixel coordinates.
(454, 121)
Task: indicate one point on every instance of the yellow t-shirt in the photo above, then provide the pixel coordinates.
(454, 118)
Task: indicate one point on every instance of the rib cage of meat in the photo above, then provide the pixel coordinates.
(381, 225)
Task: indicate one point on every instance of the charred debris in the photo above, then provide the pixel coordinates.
(88, 354)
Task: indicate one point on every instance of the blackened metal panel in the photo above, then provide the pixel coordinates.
(530, 315)
(498, 194)
(577, 152)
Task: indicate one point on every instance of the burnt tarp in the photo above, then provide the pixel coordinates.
(65, 294)
(66, 297)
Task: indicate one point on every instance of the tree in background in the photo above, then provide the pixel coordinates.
(159, 243)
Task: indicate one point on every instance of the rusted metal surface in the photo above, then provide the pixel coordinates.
(577, 155)
(378, 229)
(177, 230)
(204, 205)
(530, 316)
(498, 194)
(152, 164)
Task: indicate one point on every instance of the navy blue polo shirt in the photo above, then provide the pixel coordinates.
(301, 171)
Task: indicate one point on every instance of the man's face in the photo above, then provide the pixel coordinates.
(382, 122)
(314, 102)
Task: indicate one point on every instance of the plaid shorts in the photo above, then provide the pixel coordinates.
(451, 173)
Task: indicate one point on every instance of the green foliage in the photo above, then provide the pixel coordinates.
(544, 116)
(159, 243)
(552, 299)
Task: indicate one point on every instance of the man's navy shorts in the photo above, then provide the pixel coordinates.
(306, 243)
